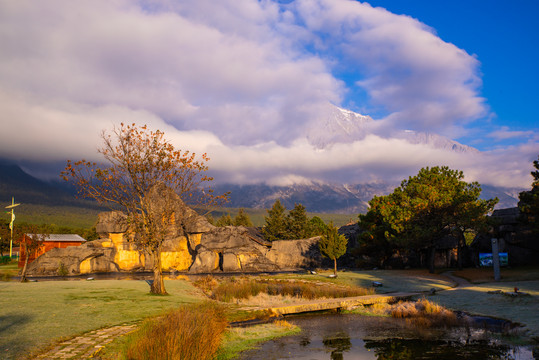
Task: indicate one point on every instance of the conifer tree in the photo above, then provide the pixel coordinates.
(242, 219)
(275, 227)
(297, 223)
(529, 201)
(333, 245)
(224, 220)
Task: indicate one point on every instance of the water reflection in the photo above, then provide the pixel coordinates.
(404, 349)
(367, 338)
(337, 344)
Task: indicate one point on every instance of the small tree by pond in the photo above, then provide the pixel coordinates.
(333, 245)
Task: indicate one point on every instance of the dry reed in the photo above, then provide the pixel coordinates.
(424, 313)
(230, 290)
(192, 332)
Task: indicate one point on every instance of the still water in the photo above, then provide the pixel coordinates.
(358, 337)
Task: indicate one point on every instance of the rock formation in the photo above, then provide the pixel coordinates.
(193, 245)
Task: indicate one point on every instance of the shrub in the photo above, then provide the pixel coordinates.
(206, 284)
(424, 313)
(62, 269)
(243, 289)
(192, 332)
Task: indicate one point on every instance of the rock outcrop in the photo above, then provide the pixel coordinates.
(192, 244)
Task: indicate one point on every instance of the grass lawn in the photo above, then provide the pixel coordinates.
(35, 314)
(476, 300)
(9, 270)
(417, 280)
(483, 275)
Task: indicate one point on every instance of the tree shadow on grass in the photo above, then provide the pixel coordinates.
(12, 345)
(9, 323)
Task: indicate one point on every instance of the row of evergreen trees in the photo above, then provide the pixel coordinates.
(242, 219)
(280, 223)
(295, 224)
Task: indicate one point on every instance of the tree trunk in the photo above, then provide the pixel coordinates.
(459, 250)
(335, 266)
(158, 285)
(431, 259)
(23, 273)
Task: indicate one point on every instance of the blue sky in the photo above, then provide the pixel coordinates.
(504, 35)
(257, 85)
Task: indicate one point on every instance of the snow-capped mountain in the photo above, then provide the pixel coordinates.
(339, 125)
(336, 126)
(435, 141)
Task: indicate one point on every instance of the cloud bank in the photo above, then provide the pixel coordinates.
(244, 81)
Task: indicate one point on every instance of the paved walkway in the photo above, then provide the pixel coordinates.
(460, 282)
(87, 345)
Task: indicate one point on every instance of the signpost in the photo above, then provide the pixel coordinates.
(11, 224)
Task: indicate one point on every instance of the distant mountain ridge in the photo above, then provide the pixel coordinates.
(25, 188)
(316, 197)
(333, 198)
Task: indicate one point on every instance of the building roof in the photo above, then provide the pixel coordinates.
(65, 237)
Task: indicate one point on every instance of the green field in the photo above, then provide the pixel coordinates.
(86, 217)
(257, 216)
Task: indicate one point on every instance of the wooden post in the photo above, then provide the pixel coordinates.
(495, 259)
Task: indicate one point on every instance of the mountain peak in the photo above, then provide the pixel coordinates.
(337, 125)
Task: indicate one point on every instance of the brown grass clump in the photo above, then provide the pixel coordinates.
(229, 290)
(191, 332)
(424, 313)
(206, 284)
(283, 323)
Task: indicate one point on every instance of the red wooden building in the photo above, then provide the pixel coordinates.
(51, 242)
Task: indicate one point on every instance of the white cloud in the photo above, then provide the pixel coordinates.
(422, 81)
(241, 80)
(505, 133)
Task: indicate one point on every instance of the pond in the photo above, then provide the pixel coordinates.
(349, 336)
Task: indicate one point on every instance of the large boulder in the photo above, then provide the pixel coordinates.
(294, 254)
(111, 222)
(68, 261)
(231, 248)
(191, 243)
(185, 220)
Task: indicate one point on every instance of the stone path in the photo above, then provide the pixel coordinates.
(86, 345)
(460, 282)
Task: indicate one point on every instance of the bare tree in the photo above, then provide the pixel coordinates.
(30, 243)
(137, 160)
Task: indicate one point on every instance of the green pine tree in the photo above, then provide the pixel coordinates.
(275, 227)
(297, 223)
(242, 219)
(333, 245)
(224, 220)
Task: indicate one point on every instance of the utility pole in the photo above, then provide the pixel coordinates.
(11, 224)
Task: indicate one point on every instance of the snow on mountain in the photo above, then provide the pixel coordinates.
(435, 141)
(339, 125)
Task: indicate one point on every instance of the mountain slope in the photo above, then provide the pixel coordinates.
(332, 198)
(16, 183)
